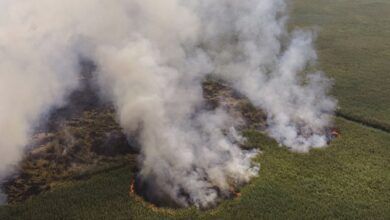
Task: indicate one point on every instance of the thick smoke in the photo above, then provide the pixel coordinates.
(155, 80)
(250, 47)
(152, 57)
(37, 71)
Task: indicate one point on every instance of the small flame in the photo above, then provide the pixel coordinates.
(335, 133)
(234, 192)
(332, 134)
(132, 187)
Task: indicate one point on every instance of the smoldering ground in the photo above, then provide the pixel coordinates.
(151, 58)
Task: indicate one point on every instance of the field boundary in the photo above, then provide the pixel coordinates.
(365, 122)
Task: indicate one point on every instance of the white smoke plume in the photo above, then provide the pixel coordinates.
(37, 70)
(252, 49)
(151, 59)
(155, 78)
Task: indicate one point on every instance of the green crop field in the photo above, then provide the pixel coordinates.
(354, 47)
(348, 180)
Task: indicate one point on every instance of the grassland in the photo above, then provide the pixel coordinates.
(354, 48)
(348, 180)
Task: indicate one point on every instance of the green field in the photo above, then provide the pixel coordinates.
(348, 180)
(354, 47)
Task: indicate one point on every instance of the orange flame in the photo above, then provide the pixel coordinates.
(234, 191)
(132, 187)
(335, 133)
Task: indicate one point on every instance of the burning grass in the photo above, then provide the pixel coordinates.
(94, 142)
(90, 141)
(146, 191)
(216, 95)
(348, 180)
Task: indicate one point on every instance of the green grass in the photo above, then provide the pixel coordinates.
(348, 180)
(354, 47)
